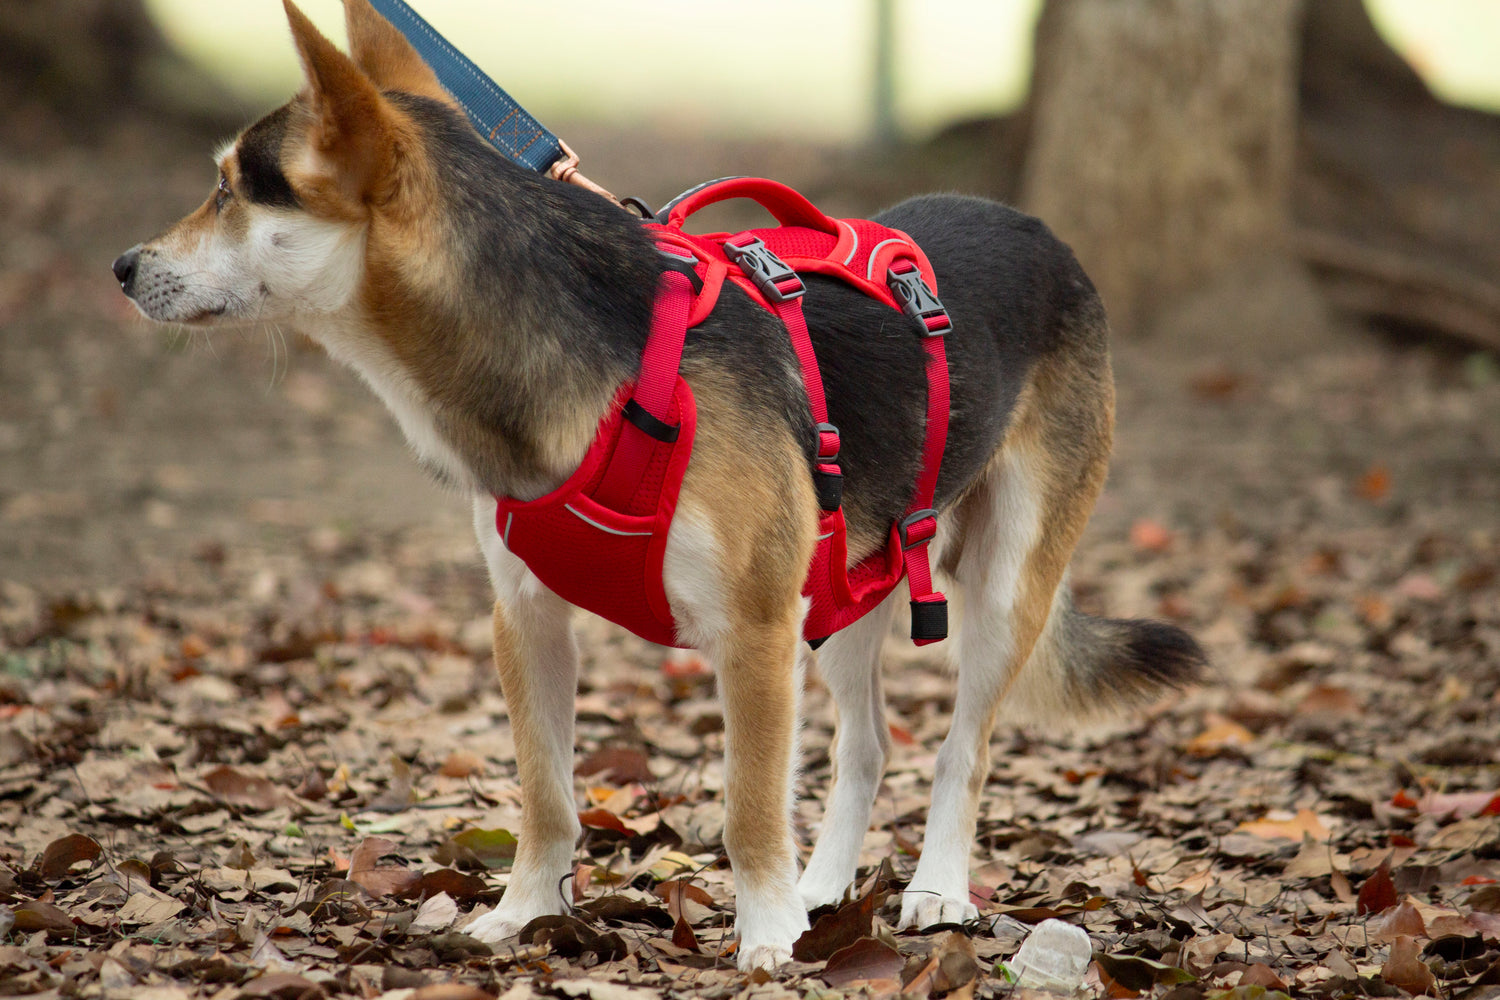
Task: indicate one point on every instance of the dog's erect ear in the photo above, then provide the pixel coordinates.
(387, 57)
(351, 126)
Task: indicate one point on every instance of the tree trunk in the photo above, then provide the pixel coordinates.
(1397, 196)
(70, 69)
(1162, 140)
(80, 57)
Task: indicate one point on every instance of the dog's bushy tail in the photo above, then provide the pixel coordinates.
(1086, 668)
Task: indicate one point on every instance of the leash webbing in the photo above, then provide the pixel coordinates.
(495, 114)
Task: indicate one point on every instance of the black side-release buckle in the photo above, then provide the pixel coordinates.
(776, 281)
(640, 416)
(917, 528)
(929, 621)
(918, 302)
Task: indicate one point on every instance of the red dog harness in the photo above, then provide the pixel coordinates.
(598, 539)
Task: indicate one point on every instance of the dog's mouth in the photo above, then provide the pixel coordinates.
(205, 316)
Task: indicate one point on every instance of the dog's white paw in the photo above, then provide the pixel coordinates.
(768, 924)
(505, 922)
(763, 956)
(923, 909)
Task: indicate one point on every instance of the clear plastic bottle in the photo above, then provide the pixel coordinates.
(1054, 957)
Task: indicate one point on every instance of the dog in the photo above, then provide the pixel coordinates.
(497, 312)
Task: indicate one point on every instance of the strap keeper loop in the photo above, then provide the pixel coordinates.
(917, 528)
(649, 425)
(828, 443)
(828, 484)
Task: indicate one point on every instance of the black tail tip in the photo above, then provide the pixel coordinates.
(1162, 655)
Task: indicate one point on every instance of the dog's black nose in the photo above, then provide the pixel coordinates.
(124, 266)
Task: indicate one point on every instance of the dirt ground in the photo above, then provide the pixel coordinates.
(250, 744)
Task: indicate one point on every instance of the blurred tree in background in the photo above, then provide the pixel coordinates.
(79, 56)
(85, 61)
(1179, 145)
(1162, 139)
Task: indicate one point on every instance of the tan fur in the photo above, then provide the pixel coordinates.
(188, 230)
(1072, 415)
(350, 141)
(1061, 433)
(765, 549)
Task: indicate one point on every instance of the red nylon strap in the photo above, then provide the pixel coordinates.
(790, 312)
(918, 566)
(653, 391)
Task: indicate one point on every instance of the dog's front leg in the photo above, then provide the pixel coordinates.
(538, 666)
(537, 659)
(735, 599)
(760, 682)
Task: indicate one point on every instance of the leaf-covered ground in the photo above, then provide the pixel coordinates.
(250, 743)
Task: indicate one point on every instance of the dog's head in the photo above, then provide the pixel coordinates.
(287, 232)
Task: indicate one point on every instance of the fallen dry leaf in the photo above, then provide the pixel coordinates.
(438, 913)
(1219, 735)
(1375, 484)
(1378, 893)
(1406, 969)
(1314, 859)
(461, 764)
(1149, 536)
(847, 924)
(1402, 920)
(864, 961)
(61, 855)
(388, 880)
(1461, 804)
(36, 915)
(241, 789)
(477, 848)
(1305, 823)
(619, 765)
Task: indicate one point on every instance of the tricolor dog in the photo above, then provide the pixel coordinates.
(498, 313)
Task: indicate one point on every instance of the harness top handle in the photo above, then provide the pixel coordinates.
(785, 205)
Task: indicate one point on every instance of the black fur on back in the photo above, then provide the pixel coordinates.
(1009, 286)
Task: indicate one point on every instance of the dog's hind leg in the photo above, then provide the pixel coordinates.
(537, 659)
(850, 664)
(1018, 527)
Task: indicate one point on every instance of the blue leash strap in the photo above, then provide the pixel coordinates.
(494, 113)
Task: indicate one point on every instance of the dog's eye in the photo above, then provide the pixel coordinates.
(222, 194)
